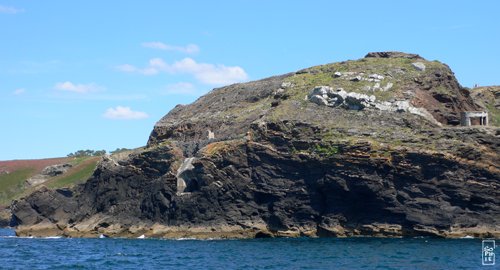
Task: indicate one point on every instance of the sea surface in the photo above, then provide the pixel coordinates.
(280, 253)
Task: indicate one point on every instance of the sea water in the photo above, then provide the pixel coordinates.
(278, 253)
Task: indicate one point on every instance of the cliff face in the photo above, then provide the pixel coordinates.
(362, 147)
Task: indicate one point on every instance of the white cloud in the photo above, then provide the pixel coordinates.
(10, 10)
(209, 73)
(181, 88)
(78, 88)
(203, 72)
(124, 113)
(19, 91)
(189, 49)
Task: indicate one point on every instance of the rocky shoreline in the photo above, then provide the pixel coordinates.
(280, 158)
(237, 232)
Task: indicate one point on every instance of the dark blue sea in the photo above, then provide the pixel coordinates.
(281, 253)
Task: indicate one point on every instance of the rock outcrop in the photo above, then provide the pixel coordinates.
(392, 55)
(47, 173)
(292, 156)
(325, 95)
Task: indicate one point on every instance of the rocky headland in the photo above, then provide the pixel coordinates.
(369, 147)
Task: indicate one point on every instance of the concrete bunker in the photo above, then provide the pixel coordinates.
(474, 118)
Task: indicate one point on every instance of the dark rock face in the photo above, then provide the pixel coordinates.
(280, 165)
(266, 186)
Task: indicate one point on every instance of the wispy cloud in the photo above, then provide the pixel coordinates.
(124, 113)
(181, 88)
(10, 10)
(19, 91)
(203, 72)
(189, 49)
(78, 88)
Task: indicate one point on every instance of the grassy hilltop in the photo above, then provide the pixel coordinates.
(13, 175)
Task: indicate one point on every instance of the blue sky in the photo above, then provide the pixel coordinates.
(98, 74)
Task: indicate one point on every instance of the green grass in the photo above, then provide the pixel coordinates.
(81, 174)
(326, 150)
(12, 184)
(494, 115)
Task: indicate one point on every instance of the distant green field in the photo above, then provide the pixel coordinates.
(78, 175)
(13, 184)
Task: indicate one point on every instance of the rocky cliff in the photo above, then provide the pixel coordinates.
(365, 147)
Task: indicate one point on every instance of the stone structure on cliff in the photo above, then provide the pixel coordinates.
(466, 118)
(362, 147)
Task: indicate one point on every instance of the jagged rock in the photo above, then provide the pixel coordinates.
(419, 66)
(376, 77)
(356, 78)
(326, 96)
(388, 86)
(320, 100)
(55, 170)
(393, 55)
(47, 172)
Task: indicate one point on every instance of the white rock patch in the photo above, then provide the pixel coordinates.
(327, 96)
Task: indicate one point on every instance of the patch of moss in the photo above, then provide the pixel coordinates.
(326, 150)
(333, 135)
